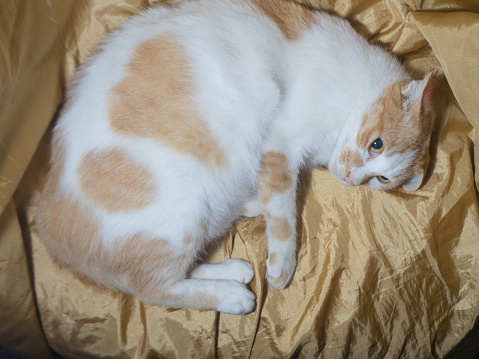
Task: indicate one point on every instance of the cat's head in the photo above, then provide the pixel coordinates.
(390, 146)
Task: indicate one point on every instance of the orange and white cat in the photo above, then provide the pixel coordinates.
(197, 113)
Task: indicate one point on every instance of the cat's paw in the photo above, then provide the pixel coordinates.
(231, 269)
(279, 271)
(235, 298)
(238, 270)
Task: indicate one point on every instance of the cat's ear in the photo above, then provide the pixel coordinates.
(420, 92)
(414, 183)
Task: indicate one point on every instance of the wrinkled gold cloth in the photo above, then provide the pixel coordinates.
(380, 275)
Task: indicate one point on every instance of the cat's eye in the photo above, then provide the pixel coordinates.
(383, 179)
(376, 146)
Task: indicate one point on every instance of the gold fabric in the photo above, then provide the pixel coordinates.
(380, 275)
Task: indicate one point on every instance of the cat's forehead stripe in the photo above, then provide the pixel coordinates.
(291, 18)
(374, 121)
(115, 182)
(154, 100)
(387, 119)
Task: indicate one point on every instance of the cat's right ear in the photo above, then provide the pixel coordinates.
(420, 92)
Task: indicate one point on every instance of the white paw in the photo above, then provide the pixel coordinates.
(235, 299)
(231, 269)
(280, 271)
(237, 270)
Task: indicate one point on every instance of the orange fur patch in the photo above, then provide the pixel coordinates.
(115, 182)
(275, 176)
(151, 258)
(279, 229)
(291, 18)
(155, 100)
(59, 218)
(351, 157)
(141, 265)
(71, 233)
(272, 258)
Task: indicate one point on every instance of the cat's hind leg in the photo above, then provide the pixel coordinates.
(156, 272)
(228, 296)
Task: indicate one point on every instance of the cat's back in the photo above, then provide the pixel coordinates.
(159, 125)
(195, 79)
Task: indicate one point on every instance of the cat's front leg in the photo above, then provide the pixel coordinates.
(253, 207)
(277, 188)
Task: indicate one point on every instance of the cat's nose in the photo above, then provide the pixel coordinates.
(348, 179)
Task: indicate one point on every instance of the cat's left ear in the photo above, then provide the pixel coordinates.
(420, 92)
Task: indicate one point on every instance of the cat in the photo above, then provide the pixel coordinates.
(193, 115)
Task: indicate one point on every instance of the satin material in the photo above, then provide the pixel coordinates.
(380, 275)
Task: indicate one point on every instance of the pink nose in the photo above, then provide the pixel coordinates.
(348, 179)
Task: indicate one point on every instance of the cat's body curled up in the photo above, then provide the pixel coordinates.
(195, 114)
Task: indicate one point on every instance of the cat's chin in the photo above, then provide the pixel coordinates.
(346, 183)
(342, 180)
